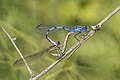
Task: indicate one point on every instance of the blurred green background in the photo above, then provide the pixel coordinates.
(97, 59)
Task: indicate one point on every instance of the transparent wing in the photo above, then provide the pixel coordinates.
(41, 29)
(30, 58)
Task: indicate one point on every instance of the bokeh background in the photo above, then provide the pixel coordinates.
(97, 59)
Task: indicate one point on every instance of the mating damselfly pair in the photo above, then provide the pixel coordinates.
(56, 46)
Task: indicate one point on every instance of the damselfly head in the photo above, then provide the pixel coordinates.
(85, 28)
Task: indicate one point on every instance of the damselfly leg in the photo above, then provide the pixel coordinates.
(56, 48)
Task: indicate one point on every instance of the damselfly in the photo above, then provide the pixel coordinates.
(76, 29)
(56, 46)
